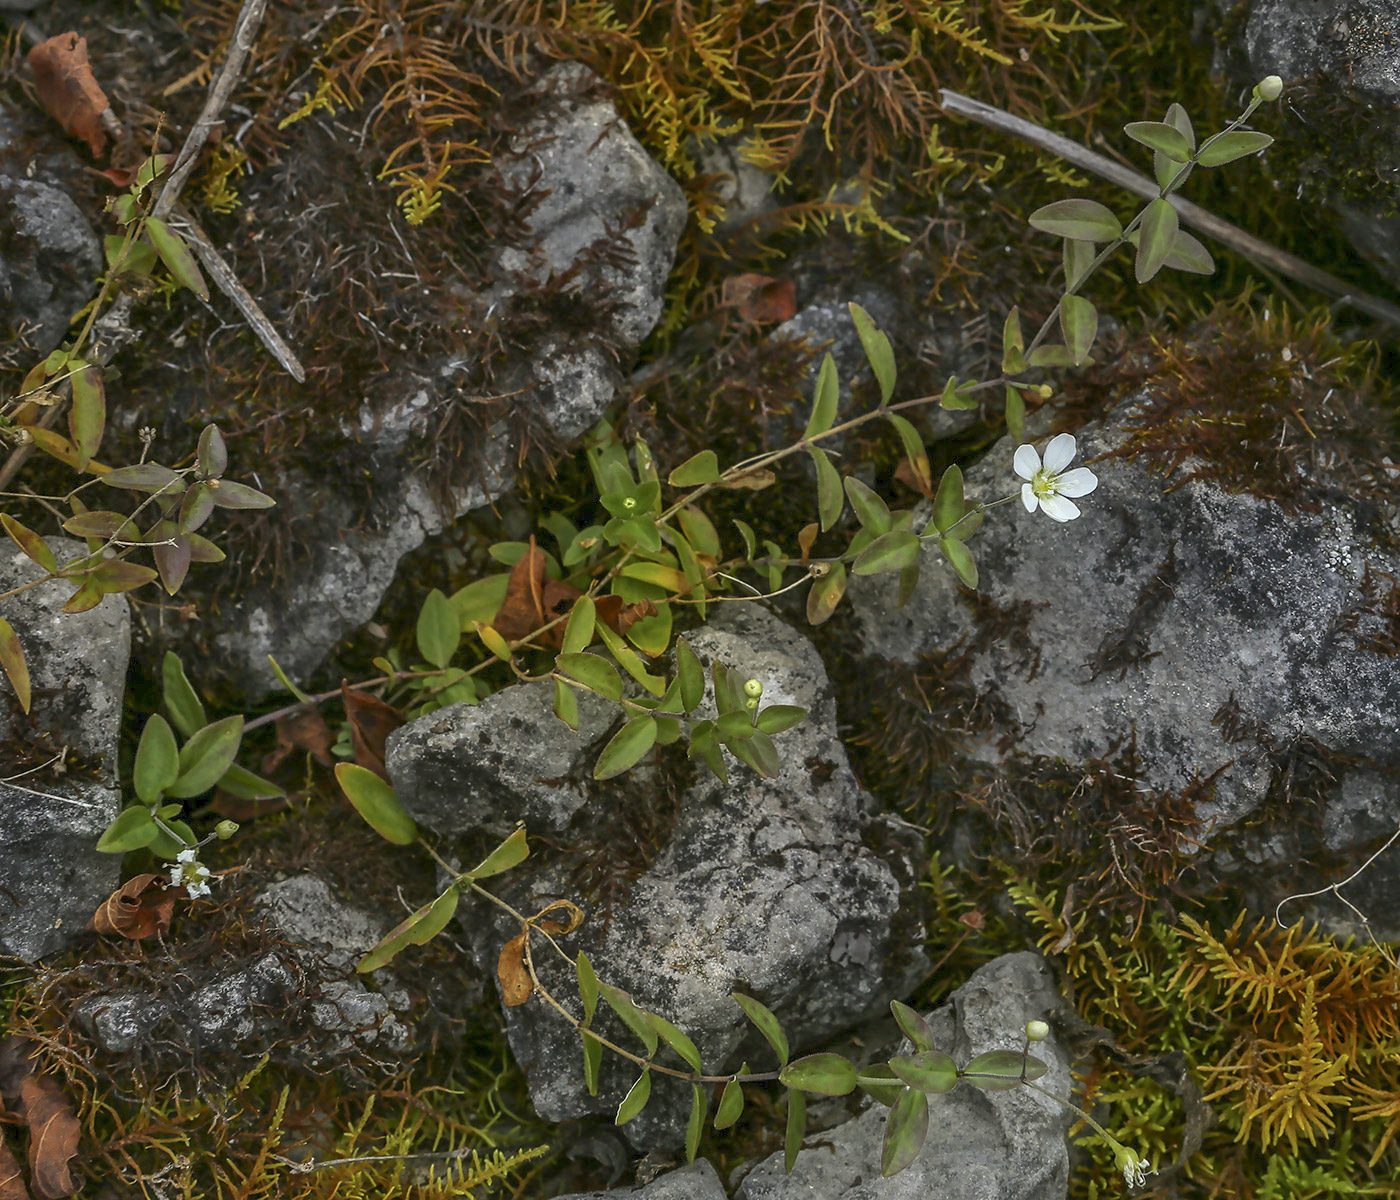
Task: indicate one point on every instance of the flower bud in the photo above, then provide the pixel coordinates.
(1037, 1031)
(1269, 88)
(751, 704)
(753, 689)
(1045, 391)
(225, 830)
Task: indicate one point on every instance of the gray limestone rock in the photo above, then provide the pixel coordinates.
(697, 1182)
(52, 813)
(769, 887)
(49, 261)
(488, 765)
(745, 191)
(1212, 626)
(981, 1145)
(1354, 41)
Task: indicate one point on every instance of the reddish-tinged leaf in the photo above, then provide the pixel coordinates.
(53, 1136)
(67, 89)
(118, 575)
(516, 984)
(12, 660)
(371, 723)
(172, 560)
(89, 595)
(140, 908)
(31, 543)
(533, 600)
(759, 299)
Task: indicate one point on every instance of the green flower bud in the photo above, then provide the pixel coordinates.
(629, 503)
(751, 704)
(753, 689)
(1037, 1031)
(1269, 88)
(225, 830)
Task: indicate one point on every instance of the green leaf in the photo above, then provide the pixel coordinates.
(566, 704)
(1052, 356)
(168, 845)
(176, 256)
(578, 630)
(928, 1070)
(697, 1122)
(417, 929)
(960, 558)
(877, 350)
(87, 416)
(592, 1061)
(157, 764)
(1156, 236)
(211, 452)
(635, 1100)
(587, 986)
(1015, 414)
(824, 400)
(1000, 1070)
(479, 601)
(244, 785)
(1082, 220)
(691, 675)
(285, 680)
(593, 672)
(890, 552)
(905, 1130)
(141, 477)
(699, 469)
(750, 542)
(777, 717)
(678, 1041)
(955, 395)
(133, 829)
(31, 543)
(16, 669)
(206, 756)
(796, 1129)
(632, 1016)
(196, 508)
(1176, 117)
(915, 1028)
(1229, 146)
(872, 512)
(1080, 322)
(949, 505)
(374, 799)
(767, 1025)
(882, 1093)
(1158, 135)
(731, 1101)
(1013, 345)
(1187, 254)
(914, 451)
(626, 748)
(1078, 257)
(820, 1074)
(228, 494)
(735, 726)
(631, 663)
(830, 499)
(180, 699)
(825, 594)
(439, 631)
(510, 853)
(700, 532)
(759, 753)
(705, 746)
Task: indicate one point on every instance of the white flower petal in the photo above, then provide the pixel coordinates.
(1079, 482)
(185, 856)
(1026, 462)
(1028, 497)
(1057, 508)
(1059, 453)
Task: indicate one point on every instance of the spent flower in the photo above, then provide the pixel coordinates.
(1048, 485)
(1135, 1170)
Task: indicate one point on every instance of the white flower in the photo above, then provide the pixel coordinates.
(1049, 485)
(1135, 1170)
(191, 874)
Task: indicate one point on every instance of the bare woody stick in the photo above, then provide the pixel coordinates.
(1251, 247)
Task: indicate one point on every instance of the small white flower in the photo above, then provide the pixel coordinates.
(1048, 485)
(191, 874)
(1135, 1170)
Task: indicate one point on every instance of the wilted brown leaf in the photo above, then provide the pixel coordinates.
(304, 729)
(906, 475)
(371, 723)
(140, 908)
(620, 617)
(516, 984)
(53, 1137)
(759, 299)
(11, 1185)
(533, 600)
(67, 89)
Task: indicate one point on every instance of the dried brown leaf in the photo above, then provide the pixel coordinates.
(759, 299)
(516, 984)
(371, 723)
(67, 89)
(53, 1136)
(11, 1185)
(533, 600)
(140, 908)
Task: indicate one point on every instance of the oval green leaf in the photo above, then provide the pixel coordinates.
(767, 1024)
(626, 748)
(949, 505)
(16, 668)
(697, 470)
(890, 552)
(157, 764)
(877, 350)
(1158, 135)
(635, 1100)
(133, 829)
(777, 717)
(438, 632)
(593, 672)
(181, 701)
(915, 1028)
(820, 1074)
(1000, 1070)
(830, 499)
(374, 799)
(928, 1070)
(905, 1130)
(510, 853)
(731, 1102)
(678, 1041)
(244, 785)
(176, 256)
(578, 630)
(870, 508)
(1155, 238)
(960, 558)
(824, 400)
(587, 986)
(566, 704)
(697, 1122)
(1082, 220)
(1079, 321)
(825, 594)
(691, 675)
(206, 756)
(632, 1016)
(1230, 146)
(796, 1129)
(1188, 254)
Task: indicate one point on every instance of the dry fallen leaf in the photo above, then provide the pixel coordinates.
(533, 600)
(53, 1137)
(67, 89)
(759, 299)
(905, 474)
(304, 729)
(140, 908)
(371, 723)
(621, 617)
(516, 984)
(11, 1185)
